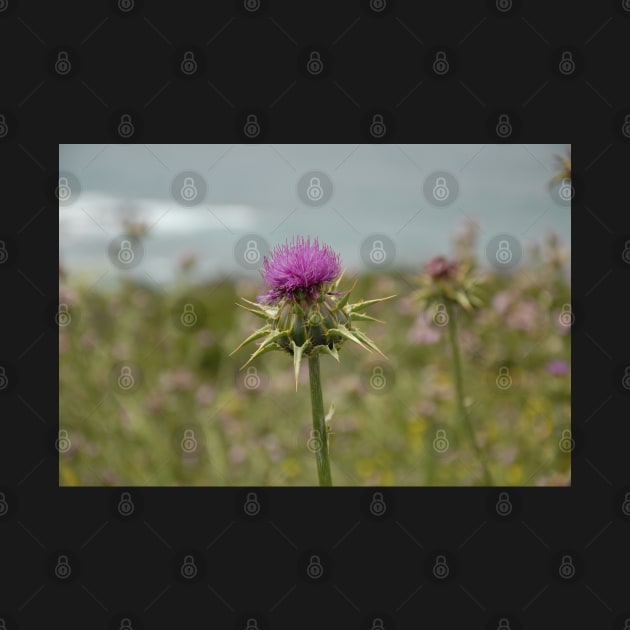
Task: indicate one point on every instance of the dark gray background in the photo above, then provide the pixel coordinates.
(374, 62)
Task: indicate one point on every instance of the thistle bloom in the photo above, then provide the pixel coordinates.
(298, 271)
(440, 268)
(305, 314)
(448, 281)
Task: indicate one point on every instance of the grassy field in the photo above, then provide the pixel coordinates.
(149, 395)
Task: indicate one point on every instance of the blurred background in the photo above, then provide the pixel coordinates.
(157, 243)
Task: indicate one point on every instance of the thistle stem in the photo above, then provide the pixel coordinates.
(319, 422)
(459, 393)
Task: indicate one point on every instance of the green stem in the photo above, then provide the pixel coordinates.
(319, 422)
(459, 393)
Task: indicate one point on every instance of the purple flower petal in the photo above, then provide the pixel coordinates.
(558, 367)
(298, 267)
(440, 267)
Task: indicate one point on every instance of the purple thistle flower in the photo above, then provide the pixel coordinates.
(440, 268)
(298, 270)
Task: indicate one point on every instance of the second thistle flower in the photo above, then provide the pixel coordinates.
(303, 309)
(447, 280)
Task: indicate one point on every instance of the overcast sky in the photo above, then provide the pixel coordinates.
(365, 190)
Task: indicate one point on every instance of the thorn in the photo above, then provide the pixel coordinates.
(348, 335)
(359, 306)
(261, 332)
(297, 359)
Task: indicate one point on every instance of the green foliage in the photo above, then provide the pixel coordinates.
(251, 427)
